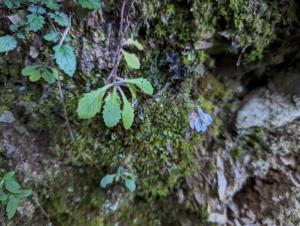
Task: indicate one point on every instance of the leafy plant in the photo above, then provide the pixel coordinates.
(11, 193)
(36, 72)
(128, 178)
(90, 104)
(7, 43)
(90, 4)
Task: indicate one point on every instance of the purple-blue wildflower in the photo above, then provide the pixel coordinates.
(200, 120)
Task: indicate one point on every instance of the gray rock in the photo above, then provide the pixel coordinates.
(266, 108)
(7, 117)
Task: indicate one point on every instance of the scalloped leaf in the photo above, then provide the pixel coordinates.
(143, 84)
(127, 113)
(90, 4)
(36, 22)
(65, 58)
(12, 206)
(112, 109)
(90, 104)
(7, 43)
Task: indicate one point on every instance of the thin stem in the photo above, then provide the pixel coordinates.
(65, 112)
(64, 35)
(118, 57)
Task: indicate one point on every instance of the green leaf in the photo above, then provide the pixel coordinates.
(132, 60)
(12, 206)
(50, 76)
(9, 175)
(7, 43)
(112, 109)
(52, 37)
(141, 83)
(127, 113)
(12, 185)
(36, 9)
(132, 90)
(60, 18)
(52, 4)
(135, 43)
(90, 104)
(90, 4)
(24, 193)
(3, 196)
(65, 58)
(36, 22)
(130, 184)
(33, 72)
(108, 179)
(12, 3)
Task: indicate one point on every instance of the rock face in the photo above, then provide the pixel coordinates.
(276, 106)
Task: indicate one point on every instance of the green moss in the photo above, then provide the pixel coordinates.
(159, 147)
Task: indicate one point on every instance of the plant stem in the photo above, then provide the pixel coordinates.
(65, 112)
(118, 57)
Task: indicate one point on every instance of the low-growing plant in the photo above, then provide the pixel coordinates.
(128, 178)
(11, 193)
(112, 94)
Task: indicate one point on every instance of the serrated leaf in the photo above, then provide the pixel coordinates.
(52, 37)
(130, 184)
(7, 43)
(36, 9)
(60, 18)
(12, 3)
(141, 83)
(127, 113)
(36, 22)
(52, 4)
(9, 175)
(12, 206)
(65, 58)
(112, 109)
(90, 104)
(3, 196)
(132, 60)
(24, 193)
(135, 43)
(12, 185)
(90, 4)
(108, 179)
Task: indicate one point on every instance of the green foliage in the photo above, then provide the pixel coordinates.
(35, 72)
(12, 3)
(132, 42)
(60, 18)
(36, 22)
(52, 4)
(52, 37)
(132, 60)
(65, 58)
(142, 84)
(7, 43)
(128, 178)
(90, 104)
(90, 4)
(112, 109)
(127, 112)
(11, 193)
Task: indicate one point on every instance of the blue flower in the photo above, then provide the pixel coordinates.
(200, 120)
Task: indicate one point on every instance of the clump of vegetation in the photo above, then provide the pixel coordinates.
(121, 175)
(11, 193)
